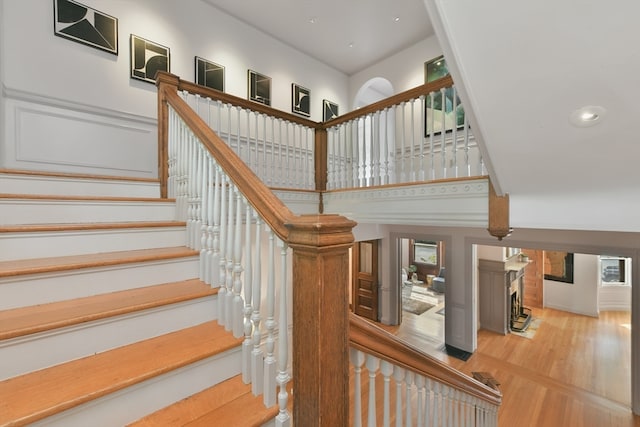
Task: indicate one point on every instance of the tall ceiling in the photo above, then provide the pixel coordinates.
(348, 35)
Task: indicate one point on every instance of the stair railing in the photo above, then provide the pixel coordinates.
(417, 390)
(233, 219)
(418, 135)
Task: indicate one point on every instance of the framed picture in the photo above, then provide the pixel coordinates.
(300, 100)
(80, 23)
(147, 58)
(259, 88)
(446, 106)
(558, 266)
(209, 74)
(329, 110)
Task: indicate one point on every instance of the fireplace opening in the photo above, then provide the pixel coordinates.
(520, 316)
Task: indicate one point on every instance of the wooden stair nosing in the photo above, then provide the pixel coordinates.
(24, 321)
(76, 175)
(85, 198)
(27, 228)
(73, 262)
(37, 395)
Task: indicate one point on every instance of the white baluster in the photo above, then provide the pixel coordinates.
(357, 360)
(386, 369)
(454, 134)
(257, 367)
(215, 246)
(237, 303)
(222, 280)
(403, 166)
(467, 162)
(238, 133)
(443, 144)
(272, 179)
(431, 120)
(270, 324)
(228, 296)
(437, 404)
(398, 376)
(420, 401)
(210, 214)
(412, 171)
(408, 381)
(204, 212)
(283, 419)
(445, 405)
(372, 364)
(427, 401)
(247, 158)
(247, 345)
(422, 165)
(386, 179)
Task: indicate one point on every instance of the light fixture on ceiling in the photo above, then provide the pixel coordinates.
(587, 116)
(396, 19)
(313, 20)
(351, 44)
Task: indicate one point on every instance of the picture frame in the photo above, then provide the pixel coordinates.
(147, 58)
(209, 74)
(558, 266)
(300, 100)
(446, 106)
(85, 25)
(329, 110)
(259, 87)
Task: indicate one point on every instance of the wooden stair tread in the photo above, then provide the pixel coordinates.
(26, 228)
(29, 320)
(84, 198)
(72, 262)
(209, 407)
(36, 395)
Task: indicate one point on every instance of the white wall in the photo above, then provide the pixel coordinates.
(581, 296)
(42, 69)
(404, 70)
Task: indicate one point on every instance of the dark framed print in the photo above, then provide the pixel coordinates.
(259, 88)
(80, 23)
(329, 110)
(558, 266)
(443, 110)
(300, 100)
(209, 74)
(147, 58)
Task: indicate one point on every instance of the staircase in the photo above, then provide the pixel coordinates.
(103, 321)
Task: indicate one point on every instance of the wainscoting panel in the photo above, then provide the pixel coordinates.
(58, 136)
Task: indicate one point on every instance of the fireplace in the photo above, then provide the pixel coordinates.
(519, 315)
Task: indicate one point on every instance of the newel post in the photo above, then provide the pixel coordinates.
(320, 245)
(164, 82)
(320, 162)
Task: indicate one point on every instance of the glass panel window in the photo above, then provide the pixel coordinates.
(615, 270)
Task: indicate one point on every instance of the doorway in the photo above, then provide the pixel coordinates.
(365, 279)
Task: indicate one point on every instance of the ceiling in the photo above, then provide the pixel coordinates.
(348, 35)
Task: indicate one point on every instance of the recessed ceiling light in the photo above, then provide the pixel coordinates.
(351, 44)
(313, 20)
(396, 19)
(587, 116)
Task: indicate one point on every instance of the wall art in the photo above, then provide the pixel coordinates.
(147, 58)
(558, 266)
(329, 110)
(300, 100)
(446, 107)
(75, 21)
(209, 74)
(259, 88)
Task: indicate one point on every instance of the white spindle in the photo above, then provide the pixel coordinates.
(423, 123)
(454, 134)
(427, 401)
(228, 296)
(398, 376)
(443, 127)
(222, 280)
(432, 152)
(257, 367)
(270, 324)
(386, 369)
(204, 212)
(357, 360)
(272, 180)
(412, 170)
(215, 247)
(247, 345)
(283, 419)
(403, 140)
(408, 381)
(210, 214)
(372, 364)
(237, 303)
(419, 401)
(467, 162)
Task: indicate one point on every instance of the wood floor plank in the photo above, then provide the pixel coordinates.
(36, 395)
(29, 320)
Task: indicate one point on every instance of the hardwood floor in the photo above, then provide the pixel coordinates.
(575, 371)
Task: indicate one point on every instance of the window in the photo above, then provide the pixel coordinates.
(615, 270)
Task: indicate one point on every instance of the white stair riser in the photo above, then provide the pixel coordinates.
(17, 211)
(132, 403)
(63, 186)
(41, 350)
(14, 246)
(35, 289)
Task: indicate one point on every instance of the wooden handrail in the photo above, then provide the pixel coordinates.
(371, 339)
(407, 95)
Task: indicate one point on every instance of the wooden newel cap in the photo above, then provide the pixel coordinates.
(320, 230)
(164, 78)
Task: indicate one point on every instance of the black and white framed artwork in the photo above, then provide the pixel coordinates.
(329, 110)
(80, 23)
(259, 88)
(147, 58)
(209, 74)
(300, 100)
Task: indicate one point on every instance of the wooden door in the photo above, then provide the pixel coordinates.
(533, 279)
(365, 279)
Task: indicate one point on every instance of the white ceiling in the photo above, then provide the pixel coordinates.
(368, 25)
